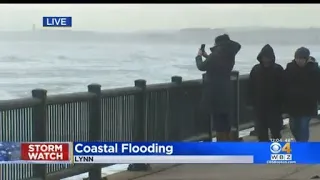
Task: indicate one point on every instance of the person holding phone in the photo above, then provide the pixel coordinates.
(217, 84)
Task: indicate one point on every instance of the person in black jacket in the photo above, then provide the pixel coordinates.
(217, 84)
(302, 78)
(266, 94)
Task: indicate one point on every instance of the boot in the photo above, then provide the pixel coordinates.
(233, 136)
(227, 136)
(223, 136)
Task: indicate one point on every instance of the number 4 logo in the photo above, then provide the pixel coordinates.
(286, 148)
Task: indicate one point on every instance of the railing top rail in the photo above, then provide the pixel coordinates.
(160, 86)
(244, 76)
(119, 91)
(188, 83)
(69, 98)
(18, 103)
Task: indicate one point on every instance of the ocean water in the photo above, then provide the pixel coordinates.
(70, 67)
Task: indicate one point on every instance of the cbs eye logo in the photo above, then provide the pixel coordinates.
(277, 148)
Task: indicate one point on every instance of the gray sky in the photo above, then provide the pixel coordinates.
(131, 17)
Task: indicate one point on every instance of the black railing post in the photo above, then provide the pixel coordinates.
(176, 79)
(140, 122)
(39, 128)
(207, 117)
(95, 125)
(175, 132)
(204, 75)
(235, 117)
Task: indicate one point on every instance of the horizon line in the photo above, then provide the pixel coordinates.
(151, 30)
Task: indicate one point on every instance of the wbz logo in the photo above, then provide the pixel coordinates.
(280, 153)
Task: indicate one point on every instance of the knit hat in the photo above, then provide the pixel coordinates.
(302, 53)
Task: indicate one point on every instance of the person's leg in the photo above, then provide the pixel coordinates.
(205, 121)
(294, 127)
(255, 129)
(283, 126)
(219, 134)
(262, 128)
(206, 112)
(222, 126)
(275, 125)
(304, 129)
(214, 127)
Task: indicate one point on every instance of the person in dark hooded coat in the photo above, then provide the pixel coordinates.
(266, 94)
(302, 80)
(217, 84)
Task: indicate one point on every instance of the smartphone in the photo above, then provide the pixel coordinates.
(202, 47)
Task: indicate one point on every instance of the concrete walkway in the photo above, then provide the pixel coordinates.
(229, 171)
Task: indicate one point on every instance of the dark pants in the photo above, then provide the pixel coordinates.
(266, 121)
(221, 122)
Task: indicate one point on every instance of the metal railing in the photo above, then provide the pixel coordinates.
(158, 112)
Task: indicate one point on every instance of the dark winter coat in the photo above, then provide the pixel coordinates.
(265, 85)
(301, 89)
(217, 83)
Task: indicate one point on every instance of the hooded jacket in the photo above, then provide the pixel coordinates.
(265, 84)
(302, 89)
(221, 60)
(217, 84)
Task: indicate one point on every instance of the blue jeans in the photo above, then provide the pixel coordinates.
(300, 128)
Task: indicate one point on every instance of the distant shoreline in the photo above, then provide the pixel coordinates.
(188, 35)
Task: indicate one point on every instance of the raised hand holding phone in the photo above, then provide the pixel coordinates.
(202, 48)
(202, 51)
